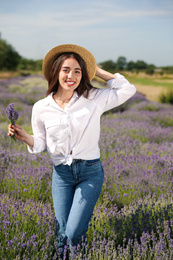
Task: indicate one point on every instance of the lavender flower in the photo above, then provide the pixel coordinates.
(12, 115)
(133, 218)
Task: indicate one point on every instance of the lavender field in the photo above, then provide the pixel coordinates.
(133, 218)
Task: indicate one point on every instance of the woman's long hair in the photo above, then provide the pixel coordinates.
(84, 85)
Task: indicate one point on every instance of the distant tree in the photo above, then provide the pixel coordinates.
(108, 65)
(130, 65)
(140, 65)
(9, 58)
(150, 69)
(121, 63)
(23, 64)
(167, 69)
(38, 64)
(29, 64)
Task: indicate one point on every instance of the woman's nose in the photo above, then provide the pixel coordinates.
(70, 74)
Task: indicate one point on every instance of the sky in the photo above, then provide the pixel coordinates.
(135, 29)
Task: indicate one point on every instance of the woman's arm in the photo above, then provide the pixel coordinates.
(105, 75)
(119, 91)
(37, 142)
(20, 134)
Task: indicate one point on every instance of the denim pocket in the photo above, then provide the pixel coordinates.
(92, 162)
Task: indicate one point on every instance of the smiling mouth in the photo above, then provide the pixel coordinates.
(70, 82)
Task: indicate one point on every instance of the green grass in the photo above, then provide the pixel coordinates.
(150, 82)
(164, 121)
(167, 97)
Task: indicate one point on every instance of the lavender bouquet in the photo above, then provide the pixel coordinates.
(12, 115)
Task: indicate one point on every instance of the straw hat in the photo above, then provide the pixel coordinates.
(60, 49)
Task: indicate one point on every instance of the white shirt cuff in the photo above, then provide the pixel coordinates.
(117, 83)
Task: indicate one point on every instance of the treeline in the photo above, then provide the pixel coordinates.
(10, 59)
(122, 65)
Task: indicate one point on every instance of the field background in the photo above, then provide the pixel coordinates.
(133, 218)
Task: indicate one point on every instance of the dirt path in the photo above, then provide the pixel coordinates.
(151, 92)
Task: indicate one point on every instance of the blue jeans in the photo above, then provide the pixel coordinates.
(75, 190)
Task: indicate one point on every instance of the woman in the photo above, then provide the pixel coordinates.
(67, 124)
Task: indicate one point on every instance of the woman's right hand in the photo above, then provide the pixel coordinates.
(20, 134)
(105, 75)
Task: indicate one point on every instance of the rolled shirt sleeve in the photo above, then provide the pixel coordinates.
(39, 132)
(119, 91)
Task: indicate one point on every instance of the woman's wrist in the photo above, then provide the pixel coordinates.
(29, 140)
(105, 75)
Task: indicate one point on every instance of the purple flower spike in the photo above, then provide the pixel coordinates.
(12, 116)
(11, 113)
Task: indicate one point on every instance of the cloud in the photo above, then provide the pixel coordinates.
(89, 15)
(140, 13)
(96, 25)
(69, 20)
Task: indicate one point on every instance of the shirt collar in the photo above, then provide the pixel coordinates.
(75, 95)
(49, 99)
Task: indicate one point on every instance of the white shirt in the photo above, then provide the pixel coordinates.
(73, 132)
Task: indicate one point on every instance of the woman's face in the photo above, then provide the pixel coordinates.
(70, 75)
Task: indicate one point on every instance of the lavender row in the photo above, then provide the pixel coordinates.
(28, 230)
(133, 218)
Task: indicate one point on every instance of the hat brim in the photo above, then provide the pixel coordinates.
(60, 49)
